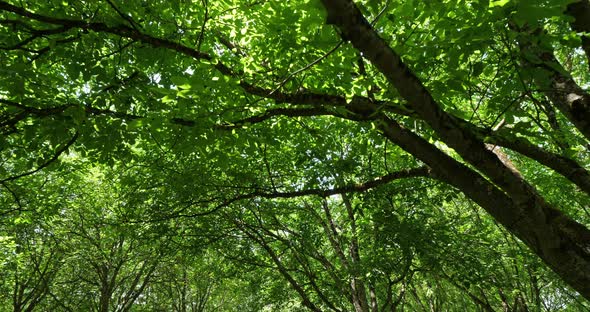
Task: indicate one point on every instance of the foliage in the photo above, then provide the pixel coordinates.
(297, 155)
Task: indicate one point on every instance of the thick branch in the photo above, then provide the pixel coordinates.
(300, 98)
(562, 165)
(453, 172)
(345, 15)
(567, 96)
(560, 241)
(559, 87)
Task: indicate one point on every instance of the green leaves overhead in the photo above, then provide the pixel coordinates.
(288, 155)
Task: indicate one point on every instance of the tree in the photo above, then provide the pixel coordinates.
(231, 102)
(389, 251)
(32, 251)
(109, 265)
(31, 267)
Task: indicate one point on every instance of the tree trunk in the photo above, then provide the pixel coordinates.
(560, 241)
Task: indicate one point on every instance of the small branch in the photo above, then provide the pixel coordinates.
(321, 58)
(352, 188)
(289, 112)
(120, 30)
(205, 19)
(47, 163)
(376, 19)
(125, 17)
(124, 81)
(46, 49)
(268, 170)
(124, 31)
(36, 33)
(306, 67)
(14, 195)
(228, 44)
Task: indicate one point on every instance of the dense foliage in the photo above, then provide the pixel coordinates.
(324, 155)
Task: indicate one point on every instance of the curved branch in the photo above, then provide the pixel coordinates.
(561, 242)
(560, 164)
(36, 33)
(300, 97)
(120, 30)
(351, 188)
(47, 163)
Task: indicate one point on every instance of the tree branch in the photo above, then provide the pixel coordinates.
(351, 188)
(562, 165)
(559, 240)
(563, 91)
(47, 163)
(125, 17)
(301, 98)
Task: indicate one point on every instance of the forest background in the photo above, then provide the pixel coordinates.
(295, 155)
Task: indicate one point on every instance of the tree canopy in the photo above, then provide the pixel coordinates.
(324, 155)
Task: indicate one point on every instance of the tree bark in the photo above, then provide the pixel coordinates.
(561, 89)
(560, 241)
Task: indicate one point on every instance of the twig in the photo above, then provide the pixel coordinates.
(206, 18)
(14, 195)
(47, 163)
(125, 17)
(306, 67)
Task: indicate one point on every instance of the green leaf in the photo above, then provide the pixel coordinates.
(498, 3)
